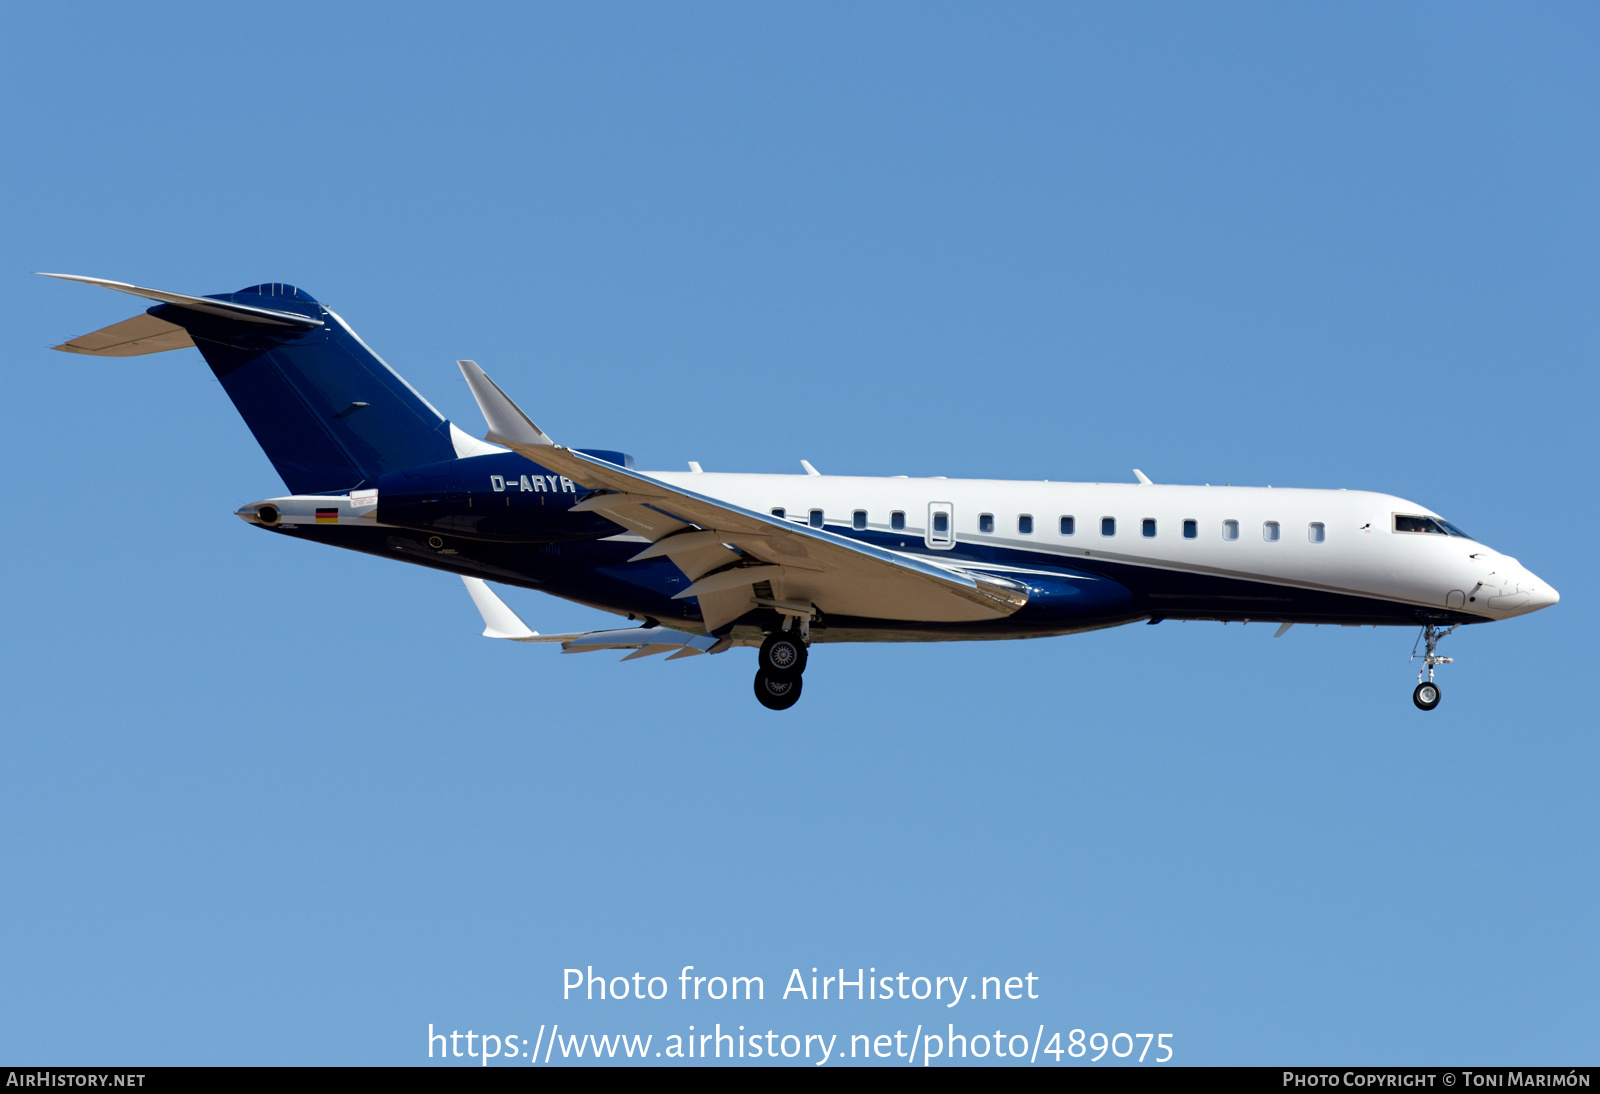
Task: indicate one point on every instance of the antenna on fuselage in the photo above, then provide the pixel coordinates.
(1144, 480)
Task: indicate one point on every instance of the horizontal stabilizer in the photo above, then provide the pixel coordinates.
(142, 334)
(224, 309)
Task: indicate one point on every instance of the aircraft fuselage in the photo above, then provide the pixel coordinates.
(1090, 554)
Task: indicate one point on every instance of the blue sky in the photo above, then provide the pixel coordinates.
(272, 803)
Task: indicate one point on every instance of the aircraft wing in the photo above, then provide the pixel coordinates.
(738, 559)
(501, 622)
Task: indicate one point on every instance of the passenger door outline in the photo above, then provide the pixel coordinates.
(940, 541)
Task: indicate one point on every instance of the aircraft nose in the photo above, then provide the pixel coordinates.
(1526, 593)
(1543, 594)
(1512, 589)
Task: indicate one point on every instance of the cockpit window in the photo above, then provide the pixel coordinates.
(1427, 525)
(1416, 524)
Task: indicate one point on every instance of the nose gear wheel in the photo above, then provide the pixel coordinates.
(1427, 693)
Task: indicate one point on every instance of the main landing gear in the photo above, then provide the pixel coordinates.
(1427, 693)
(777, 692)
(780, 664)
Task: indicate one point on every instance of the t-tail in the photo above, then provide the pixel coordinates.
(329, 413)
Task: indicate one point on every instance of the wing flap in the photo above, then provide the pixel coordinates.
(645, 520)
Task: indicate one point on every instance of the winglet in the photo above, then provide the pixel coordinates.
(508, 425)
(498, 618)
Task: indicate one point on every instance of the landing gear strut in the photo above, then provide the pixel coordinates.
(1427, 693)
(781, 662)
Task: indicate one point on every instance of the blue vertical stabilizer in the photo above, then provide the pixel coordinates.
(329, 413)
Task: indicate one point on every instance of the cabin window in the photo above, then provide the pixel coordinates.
(1147, 528)
(1230, 529)
(816, 518)
(1269, 531)
(1317, 532)
(858, 520)
(778, 512)
(897, 521)
(941, 523)
(986, 522)
(1191, 529)
(1068, 526)
(1108, 526)
(1025, 524)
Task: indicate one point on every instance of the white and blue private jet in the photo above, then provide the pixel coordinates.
(704, 562)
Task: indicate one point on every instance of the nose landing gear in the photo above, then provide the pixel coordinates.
(781, 662)
(1426, 696)
(1427, 693)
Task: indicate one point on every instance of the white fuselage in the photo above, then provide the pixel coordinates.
(1339, 541)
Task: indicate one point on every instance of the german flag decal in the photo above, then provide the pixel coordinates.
(327, 516)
